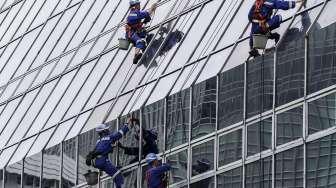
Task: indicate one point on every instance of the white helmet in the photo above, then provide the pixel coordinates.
(101, 127)
(134, 2)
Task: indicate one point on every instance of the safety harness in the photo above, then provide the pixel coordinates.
(258, 17)
(137, 27)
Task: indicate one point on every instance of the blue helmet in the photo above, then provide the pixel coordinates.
(151, 157)
(134, 2)
(101, 127)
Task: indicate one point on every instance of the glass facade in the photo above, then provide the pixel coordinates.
(222, 120)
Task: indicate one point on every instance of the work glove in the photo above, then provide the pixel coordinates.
(89, 158)
(120, 145)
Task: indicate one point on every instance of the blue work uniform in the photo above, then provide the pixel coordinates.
(104, 147)
(263, 21)
(155, 176)
(134, 27)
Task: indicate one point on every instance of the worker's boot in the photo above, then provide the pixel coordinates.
(254, 52)
(275, 37)
(137, 57)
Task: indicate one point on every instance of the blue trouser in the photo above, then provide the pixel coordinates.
(138, 39)
(272, 23)
(105, 165)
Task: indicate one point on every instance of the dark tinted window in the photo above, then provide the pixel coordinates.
(259, 136)
(231, 179)
(289, 125)
(230, 147)
(259, 174)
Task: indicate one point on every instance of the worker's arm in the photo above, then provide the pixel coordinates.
(129, 150)
(118, 135)
(162, 169)
(280, 4)
(250, 14)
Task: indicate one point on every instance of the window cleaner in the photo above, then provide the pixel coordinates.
(263, 21)
(135, 31)
(156, 174)
(98, 158)
(149, 142)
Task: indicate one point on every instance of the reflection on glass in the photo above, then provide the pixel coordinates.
(231, 97)
(290, 61)
(321, 46)
(202, 158)
(178, 108)
(259, 136)
(178, 163)
(32, 171)
(231, 179)
(69, 163)
(204, 108)
(153, 124)
(129, 152)
(86, 143)
(130, 178)
(51, 167)
(13, 175)
(230, 147)
(107, 184)
(289, 125)
(260, 84)
(322, 113)
(289, 168)
(320, 163)
(259, 173)
(205, 183)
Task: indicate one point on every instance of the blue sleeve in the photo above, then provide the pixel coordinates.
(250, 14)
(280, 4)
(161, 169)
(118, 135)
(144, 15)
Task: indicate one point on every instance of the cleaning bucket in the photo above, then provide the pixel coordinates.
(123, 44)
(259, 41)
(91, 177)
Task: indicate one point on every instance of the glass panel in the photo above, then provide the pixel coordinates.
(178, 163)
(32, 171)
(214, 64)
(321, 163)
(131, 143)
(259, 136)
(69, 163)
(231, 179)
(237, 25)
(289, 125)
(61, 64)
(87, 24)
(231, 97)
(6, 154)
(177, 128)
(7, 112)
(260, 75)
(290, 62)
(60, 108)
(86, 143)
(118, 107)
(47, 108)
(12, 124)
(8, 90)
(322, 56)
(322, 113)
(40, 142)
(60, 133)
(32, 112)
(205, 183)
(26, 83)
(204, 108)
(203, 158)
(13, 175)
(22, 150)
(130, 178)
(153, 128)
(230, 147)
(259, 174)
(8, 21)
(72, 28)
(193, 34)
(78, 125)
(51, 167)
(218, 26)
(237, 57)
(89, 85)
(45, 12)
(289, 168)
(54, 37)
(162, 88)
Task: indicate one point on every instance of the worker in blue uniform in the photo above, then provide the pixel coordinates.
(263, 21)
(156, 174)
(99, 156)
(135, 31)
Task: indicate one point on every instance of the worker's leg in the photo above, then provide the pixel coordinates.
(140, 46)
(115, 173)
(274, 22)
